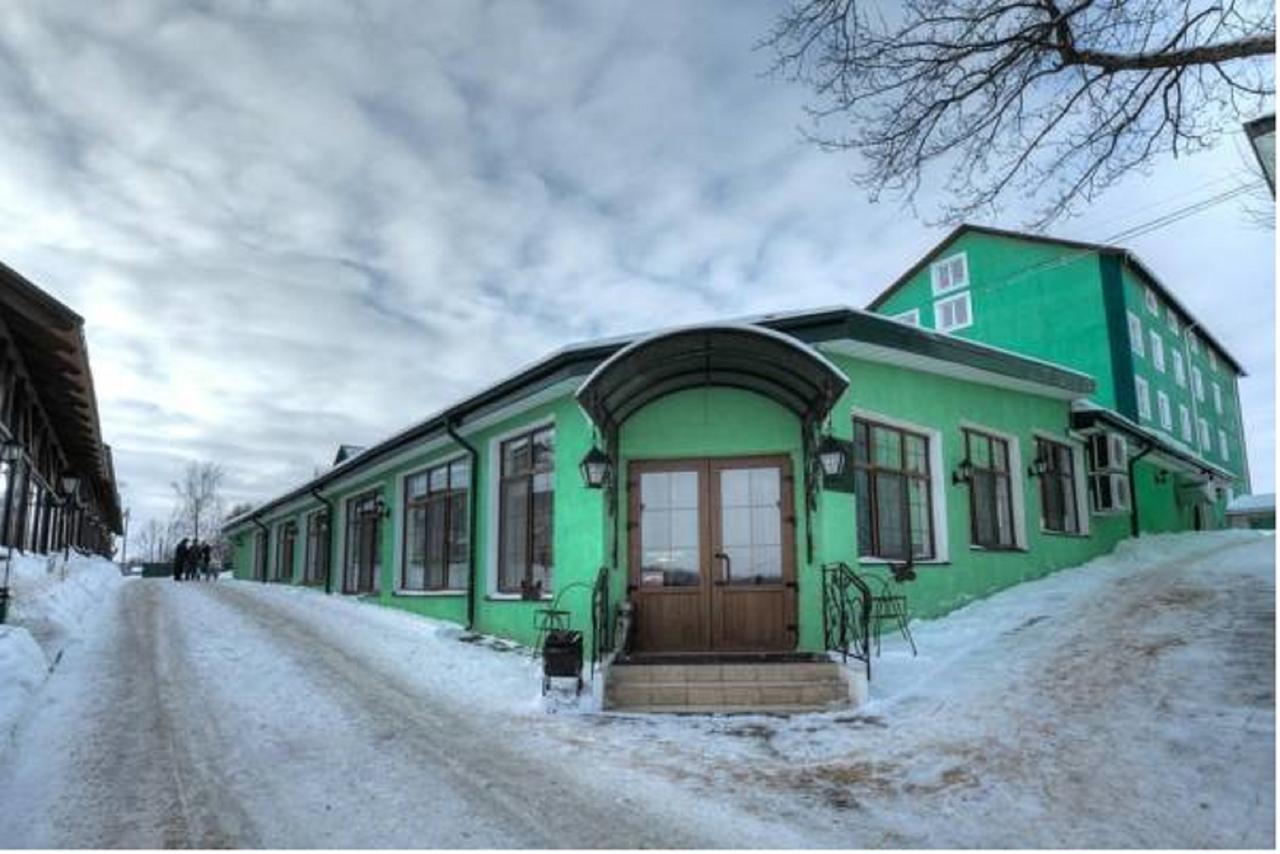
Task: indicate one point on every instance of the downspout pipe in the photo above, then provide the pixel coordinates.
(266, 546)
(1133, 491)
(450, 427)
(328, 538)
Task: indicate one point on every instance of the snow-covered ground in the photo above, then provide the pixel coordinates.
(51, 600)
(1129, 702)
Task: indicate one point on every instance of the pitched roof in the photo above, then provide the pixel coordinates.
(579, 360)
(1083, 246)
(50, 338)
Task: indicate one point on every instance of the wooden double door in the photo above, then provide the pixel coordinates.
(712, 555)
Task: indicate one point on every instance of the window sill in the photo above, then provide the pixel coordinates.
(880, 561)
(998, 549)
(516, 597)
(1071, 535)
(427, 594)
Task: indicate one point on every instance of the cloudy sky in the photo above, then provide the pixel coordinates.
(291, 225)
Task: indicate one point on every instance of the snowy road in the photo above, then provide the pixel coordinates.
(208, 718)
(1126, 703)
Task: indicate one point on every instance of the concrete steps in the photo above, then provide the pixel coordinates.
(727, 687)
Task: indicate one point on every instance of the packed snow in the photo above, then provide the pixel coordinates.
(1127, 702)
(49, 600)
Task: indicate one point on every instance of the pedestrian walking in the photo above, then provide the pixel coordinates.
(180, 559)
(192, 561)
(206, 561)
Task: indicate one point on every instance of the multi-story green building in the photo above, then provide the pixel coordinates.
(1101, 310)
(705, 491)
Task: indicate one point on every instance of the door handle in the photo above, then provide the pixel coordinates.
(728, 569)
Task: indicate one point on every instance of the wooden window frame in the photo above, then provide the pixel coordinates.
(971, 433)
(1065, 481)
(424, 502)
(351, 540)
(286, 540)
(316, 559)
(504, 480)
(872, 469)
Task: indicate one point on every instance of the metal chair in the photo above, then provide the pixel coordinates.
(888, 606)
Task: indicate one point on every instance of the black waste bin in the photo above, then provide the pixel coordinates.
(562, 658)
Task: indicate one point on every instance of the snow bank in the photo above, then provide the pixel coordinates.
(477, 670)
(50, 601)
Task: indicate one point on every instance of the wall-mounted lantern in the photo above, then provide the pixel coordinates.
(70, 483)
(381, 507)
(1039, 467)
(596, 468)
(963, 472)
(833, 456)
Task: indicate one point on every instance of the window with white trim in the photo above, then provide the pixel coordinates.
(1157, 351)
(1135, 333)
(950, 274)
(1184, 415)
(1166, 412)
(526, 507)
(991, 515)
(1174, 326)
(1179, 368)
(1153, 305)
(1205, 442)
(1193, 341)
(1222, 443)
(1213, 359)
(1143, 392)
(1197, 383)
(893, 483)
(953, 313)
(1058, 502)
(436, 528)
(1217, 397)
(912, 317)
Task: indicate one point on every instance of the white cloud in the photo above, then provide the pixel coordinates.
(292, 225)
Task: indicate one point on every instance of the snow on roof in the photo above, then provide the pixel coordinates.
(1262, 503)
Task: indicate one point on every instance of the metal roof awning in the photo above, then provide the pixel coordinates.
(751, 358)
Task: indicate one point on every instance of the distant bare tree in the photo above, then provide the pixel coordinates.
(1054, 99)
(199, 497)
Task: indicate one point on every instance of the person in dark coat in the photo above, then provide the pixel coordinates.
(193, 561)
(180, 559)
(206, 558)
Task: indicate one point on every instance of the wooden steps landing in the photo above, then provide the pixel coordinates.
(730, 687)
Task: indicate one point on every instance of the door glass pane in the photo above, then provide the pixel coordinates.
(670, 549)
(751, 525)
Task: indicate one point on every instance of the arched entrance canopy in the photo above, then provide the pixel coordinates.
(738, 356)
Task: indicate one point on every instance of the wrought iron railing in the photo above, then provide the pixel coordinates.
(846, 613)
(601, 625)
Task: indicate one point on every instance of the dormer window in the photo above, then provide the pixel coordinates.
(1152, 305)
(950, 274)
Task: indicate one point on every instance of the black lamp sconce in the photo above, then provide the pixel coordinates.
(963, 472)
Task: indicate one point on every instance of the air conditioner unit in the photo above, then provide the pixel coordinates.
(1109, 492)
(1108, 451)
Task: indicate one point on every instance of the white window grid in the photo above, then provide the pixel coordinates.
(953, 313)
(1157, 351)
(1135, 334)
(1166, 412)
(950, 274)
(1143, 391)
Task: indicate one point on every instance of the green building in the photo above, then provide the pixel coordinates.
(1100, 310)
(703, 494)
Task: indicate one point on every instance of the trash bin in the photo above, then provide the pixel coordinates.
(562, 658)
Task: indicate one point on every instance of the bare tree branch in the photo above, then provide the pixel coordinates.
(1055, 101)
